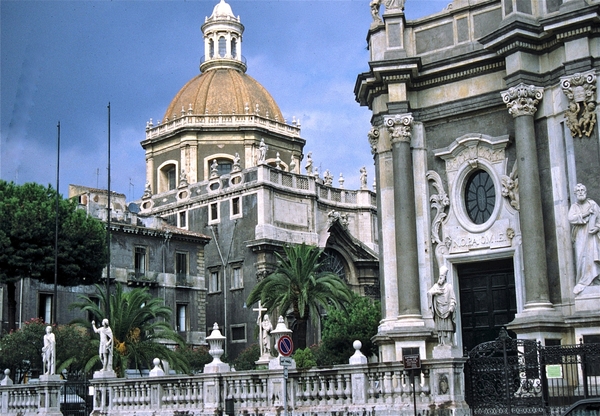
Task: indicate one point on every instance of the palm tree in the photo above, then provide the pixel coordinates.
(300, 285)
(140, 324)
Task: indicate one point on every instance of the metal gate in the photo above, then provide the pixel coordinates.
(74, 396)
(503, 377)
(520, 377)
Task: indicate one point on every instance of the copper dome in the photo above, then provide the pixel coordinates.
(224, 91)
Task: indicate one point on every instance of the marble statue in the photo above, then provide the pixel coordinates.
(266, 327)
(214, 172)
(328, 177)
(363, 178)
(442, 302)
(183, 182)
(105, 350)
(147, 190)
(375, 5)
(49, 352)
(292, 164)
(584, 216)
(309, 164)
(236, 163)
(262, 151)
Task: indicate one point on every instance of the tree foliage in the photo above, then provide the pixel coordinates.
(21, 350)
(341, 328)
(140, 324)
(246, 359)
(298, 284)
(27, 240)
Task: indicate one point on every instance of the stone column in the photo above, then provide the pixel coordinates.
(521, 101)
(385, 221)
(407, 267)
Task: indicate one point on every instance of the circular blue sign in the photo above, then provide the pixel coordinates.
(285, 345)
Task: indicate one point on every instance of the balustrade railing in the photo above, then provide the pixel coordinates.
(341, 389)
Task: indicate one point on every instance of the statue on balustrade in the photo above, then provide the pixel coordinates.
(584, 216)
(267, 327)
(442, 302)
(49, 352)
(105, 350)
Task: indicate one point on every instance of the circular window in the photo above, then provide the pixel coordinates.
(480, 196)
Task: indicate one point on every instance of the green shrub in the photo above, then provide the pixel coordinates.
(305, 359)
(197, 357)
(247, 358)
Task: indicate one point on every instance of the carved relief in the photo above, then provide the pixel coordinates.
(373, 137)
(522, 99)
(439, 202)
(472, 154)
(510, 187)
(333, 216)
(580, 115)
(400, 127)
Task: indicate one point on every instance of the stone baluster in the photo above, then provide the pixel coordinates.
(426, 391)
(236, 391)
(200, 392)
(406, 387)
(329, 382)
(339, 389)
(243, 394)
(387, 387)
(348, 387)
(371, 390)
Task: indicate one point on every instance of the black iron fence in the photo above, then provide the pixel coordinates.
(520, 377)
(75, 398)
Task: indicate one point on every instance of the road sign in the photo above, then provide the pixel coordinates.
(285, 345)
(411, 361)
(285, 361)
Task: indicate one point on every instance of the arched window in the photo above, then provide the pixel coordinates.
(332, 261)
(222, 47)
(234, 47)
(167, 178)
(211, 48)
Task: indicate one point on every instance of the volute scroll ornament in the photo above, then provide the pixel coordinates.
(373, 136)
(439, 202)
(580, 115)
(522, 100)
(400, 127)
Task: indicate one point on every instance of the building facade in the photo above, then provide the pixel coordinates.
(484, 123)
(224, 162)
(145, 252)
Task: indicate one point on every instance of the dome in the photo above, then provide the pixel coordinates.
(222, 9)
(224, 91)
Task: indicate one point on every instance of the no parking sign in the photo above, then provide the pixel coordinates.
(285, 345)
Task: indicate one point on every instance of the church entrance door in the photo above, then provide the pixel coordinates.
(487, 299)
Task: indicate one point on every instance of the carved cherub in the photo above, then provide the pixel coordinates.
(572, 121)
(588, 118)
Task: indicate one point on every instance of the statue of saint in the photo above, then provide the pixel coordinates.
(214, 169)
(266, 327)
(49, 352)
(105, 350)
(236, 163)
(363, 178)
(442, 303)
(309, 164)
(584, 216)
(262, 151)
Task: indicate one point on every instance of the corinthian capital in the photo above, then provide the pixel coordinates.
(522, 99)
(399, 126)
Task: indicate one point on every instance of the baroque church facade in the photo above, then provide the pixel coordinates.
(484, 129)
(225, 163)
